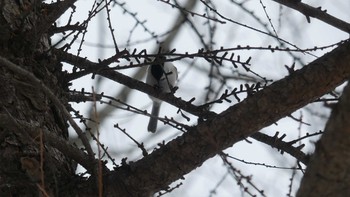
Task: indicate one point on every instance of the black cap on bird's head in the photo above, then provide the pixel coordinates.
(157, 66)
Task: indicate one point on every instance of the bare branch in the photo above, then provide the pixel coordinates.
(318, 13)
(165, 165)
(54, 10)
(132, 83)
(282, 146)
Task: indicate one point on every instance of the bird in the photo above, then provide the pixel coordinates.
(162, 76)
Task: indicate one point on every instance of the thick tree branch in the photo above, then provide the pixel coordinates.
(328, 173)
(187, 152)
(310, 11)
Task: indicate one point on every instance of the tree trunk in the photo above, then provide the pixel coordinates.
(28, 167)
(329, 171)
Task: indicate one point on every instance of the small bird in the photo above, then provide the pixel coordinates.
(161, 75)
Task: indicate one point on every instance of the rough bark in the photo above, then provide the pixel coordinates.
(329, 171)
(27, 166)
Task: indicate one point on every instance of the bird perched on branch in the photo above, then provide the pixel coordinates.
(161, 75)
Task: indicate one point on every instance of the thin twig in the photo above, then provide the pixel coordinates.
(192, 13)
(110, 27)
(99, 174)
(283, 146)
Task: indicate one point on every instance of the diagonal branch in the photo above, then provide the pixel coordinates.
(84, 63)
(187, 152)
(103, 70)
(310, 11)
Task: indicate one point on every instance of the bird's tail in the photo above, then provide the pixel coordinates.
(152, 124)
